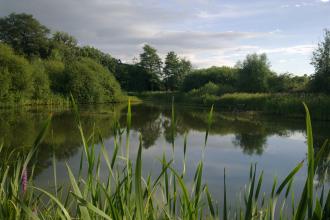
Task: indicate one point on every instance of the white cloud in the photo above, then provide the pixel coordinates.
(305, 49)
(198, 31)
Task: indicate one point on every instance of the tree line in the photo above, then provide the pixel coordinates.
(36, 64)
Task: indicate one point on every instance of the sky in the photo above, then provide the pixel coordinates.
(207, 32)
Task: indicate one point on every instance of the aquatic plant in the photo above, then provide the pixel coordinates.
(123, 192)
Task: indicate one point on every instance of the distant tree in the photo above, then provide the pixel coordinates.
(174, 71)
(5, 83)
(254, 73)
(40, 81)
(58, 78)
(16, 74)
(65, 38)
(287, 82)
(151, 62)
(103, 58)
(321, 61)
(132, 77)
(171, 71)
(64, 47)
(90, 82)
(185, 69)
(25, 34)
(225, 77)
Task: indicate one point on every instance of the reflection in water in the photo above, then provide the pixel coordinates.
(251, 133)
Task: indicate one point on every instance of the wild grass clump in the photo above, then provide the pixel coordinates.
(122, 192)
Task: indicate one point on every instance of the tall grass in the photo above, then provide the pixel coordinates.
(124, 193)
(272, 103)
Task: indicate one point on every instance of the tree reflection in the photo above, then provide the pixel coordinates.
(18, 129)
(251, 143)
(146, 120)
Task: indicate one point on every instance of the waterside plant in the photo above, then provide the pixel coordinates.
(125, 193)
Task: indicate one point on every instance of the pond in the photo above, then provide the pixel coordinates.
(235, 141)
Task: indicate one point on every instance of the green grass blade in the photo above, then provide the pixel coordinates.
(138, 186)
(225, 214)
(76, 190)
(310, 156)
(90, 206)
(209, 202)
(209, 123)
(288, 178)
(129, 117)
(53, 198)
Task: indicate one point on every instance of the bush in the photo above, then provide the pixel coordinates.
(16, 73)
(55, 72)
(217, 75)
(89, 82)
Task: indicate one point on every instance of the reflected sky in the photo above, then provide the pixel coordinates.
(235, 141)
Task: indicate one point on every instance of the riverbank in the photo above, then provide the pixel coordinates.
(278, 104)
(59, 102)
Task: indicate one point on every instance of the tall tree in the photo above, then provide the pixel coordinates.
(171, 70)
(321, 61)
(184, 68)
(65, 38)
(254, 73)
(64, 47)
(103, 58)
(174, 71)
(151, 62)
(25, 34)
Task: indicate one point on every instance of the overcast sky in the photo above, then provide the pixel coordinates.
(208, 32)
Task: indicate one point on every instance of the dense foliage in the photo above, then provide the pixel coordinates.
(254, 73)
(35, 67)
(321, 62)
(175, 70)
(25, 34)
(225, 77)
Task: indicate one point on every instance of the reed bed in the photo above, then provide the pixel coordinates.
(285, 104)
(127, 194)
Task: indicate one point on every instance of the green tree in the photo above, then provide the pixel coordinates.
(174, 71)
(224, 77)
(321, 61)
(151, 62)
(17, 71)
(64, 47)
(103, 58)
(40, 80)
(171, 71)
(25, 34)
(90, 82)
(185, 69)
(132, 77)
(287, 82)
(58, 78)
(65, 38)
(254, 73)
(5, 82)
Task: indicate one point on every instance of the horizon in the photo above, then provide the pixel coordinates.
(208, 33)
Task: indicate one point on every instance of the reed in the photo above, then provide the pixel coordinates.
(125, 193)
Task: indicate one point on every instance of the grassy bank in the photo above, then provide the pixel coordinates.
(124, 193)
(59, 102)
(279, 104)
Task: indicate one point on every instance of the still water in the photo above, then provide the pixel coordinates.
(235, 141)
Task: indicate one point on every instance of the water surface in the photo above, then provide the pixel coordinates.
(235, 141)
